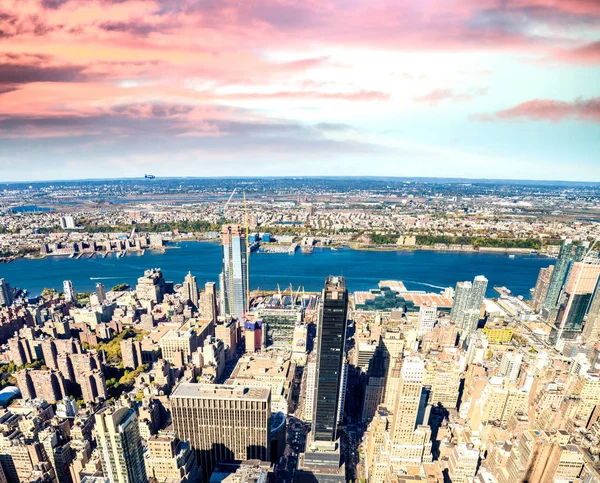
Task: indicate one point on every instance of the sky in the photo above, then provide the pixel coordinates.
(473, 88)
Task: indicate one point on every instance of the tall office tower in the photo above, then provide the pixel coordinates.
(392, 382)
(331, 338)
(466, 308)
(581, 284)
(510, 365)
(561, 270)
(190, 290)
(591, 329)
(171, 460)
(118, 436)
(541, 288)
(6, 298)
(234, 277)
(309, 396)
(69, 291)
(208, 302)
(410, 439)
(100, 293)
(223, 422)
(374, 387)
(427, 318)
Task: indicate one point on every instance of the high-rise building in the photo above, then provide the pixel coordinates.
(427, 318)
(131, 351)
(177, 346)
(463, 462)
(559, 275)
(118, 436)
(6, 298)
(280, 324)
(44, 384)
(234, 277)
(58, 453)
(575, 302)
(309, 396)
(69, 291)
(171, 460)
(410, 438)
(541, 288)
(331, 337)
(190, 290)
(591, 329)
(510, 365)
(223, 422)
(466, 308)
(208, 302)
(152, 286)
(100, 293)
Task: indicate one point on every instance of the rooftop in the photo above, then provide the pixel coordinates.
(221, 391)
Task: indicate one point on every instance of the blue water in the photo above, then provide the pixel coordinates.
(419, 270)
(29, 209)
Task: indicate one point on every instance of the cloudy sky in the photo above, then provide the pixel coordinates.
(465, 88)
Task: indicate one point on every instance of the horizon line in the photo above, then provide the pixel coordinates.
(446, 179)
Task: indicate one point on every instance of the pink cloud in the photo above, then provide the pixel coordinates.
(586, 54)
(549, 110)
(438, 95)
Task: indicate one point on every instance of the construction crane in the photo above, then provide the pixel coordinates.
(247, 252)
(227, 204)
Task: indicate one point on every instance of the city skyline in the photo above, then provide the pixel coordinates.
(486, 90)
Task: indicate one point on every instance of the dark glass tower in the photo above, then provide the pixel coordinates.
(331, 337)
(559, 274)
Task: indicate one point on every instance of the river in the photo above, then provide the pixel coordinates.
(419, 270)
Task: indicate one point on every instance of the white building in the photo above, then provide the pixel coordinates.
(69, 291)
(427, 318)
(309, 395)
(510, 365)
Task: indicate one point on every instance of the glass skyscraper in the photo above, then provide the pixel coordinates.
(331, 337)
(566, 257)
(120, 444)
(234, 277)
(467, 303)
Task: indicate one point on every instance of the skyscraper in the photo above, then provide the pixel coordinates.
(466, 307)
(69, 291)
(561, 270)
(223, 422)
(208, 302)
(331, 337)
(591, 330)
(410, 439)
(427, 318)
(118, 437)
(190, 290)
(541, 288)
(574, 304)
(234, 278)
(6, 298)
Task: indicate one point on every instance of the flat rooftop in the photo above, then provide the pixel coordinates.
(221, 391)
(428, 298)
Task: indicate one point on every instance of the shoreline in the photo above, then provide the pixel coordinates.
(350, 246)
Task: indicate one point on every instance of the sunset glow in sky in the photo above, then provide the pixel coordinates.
(470, 88)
